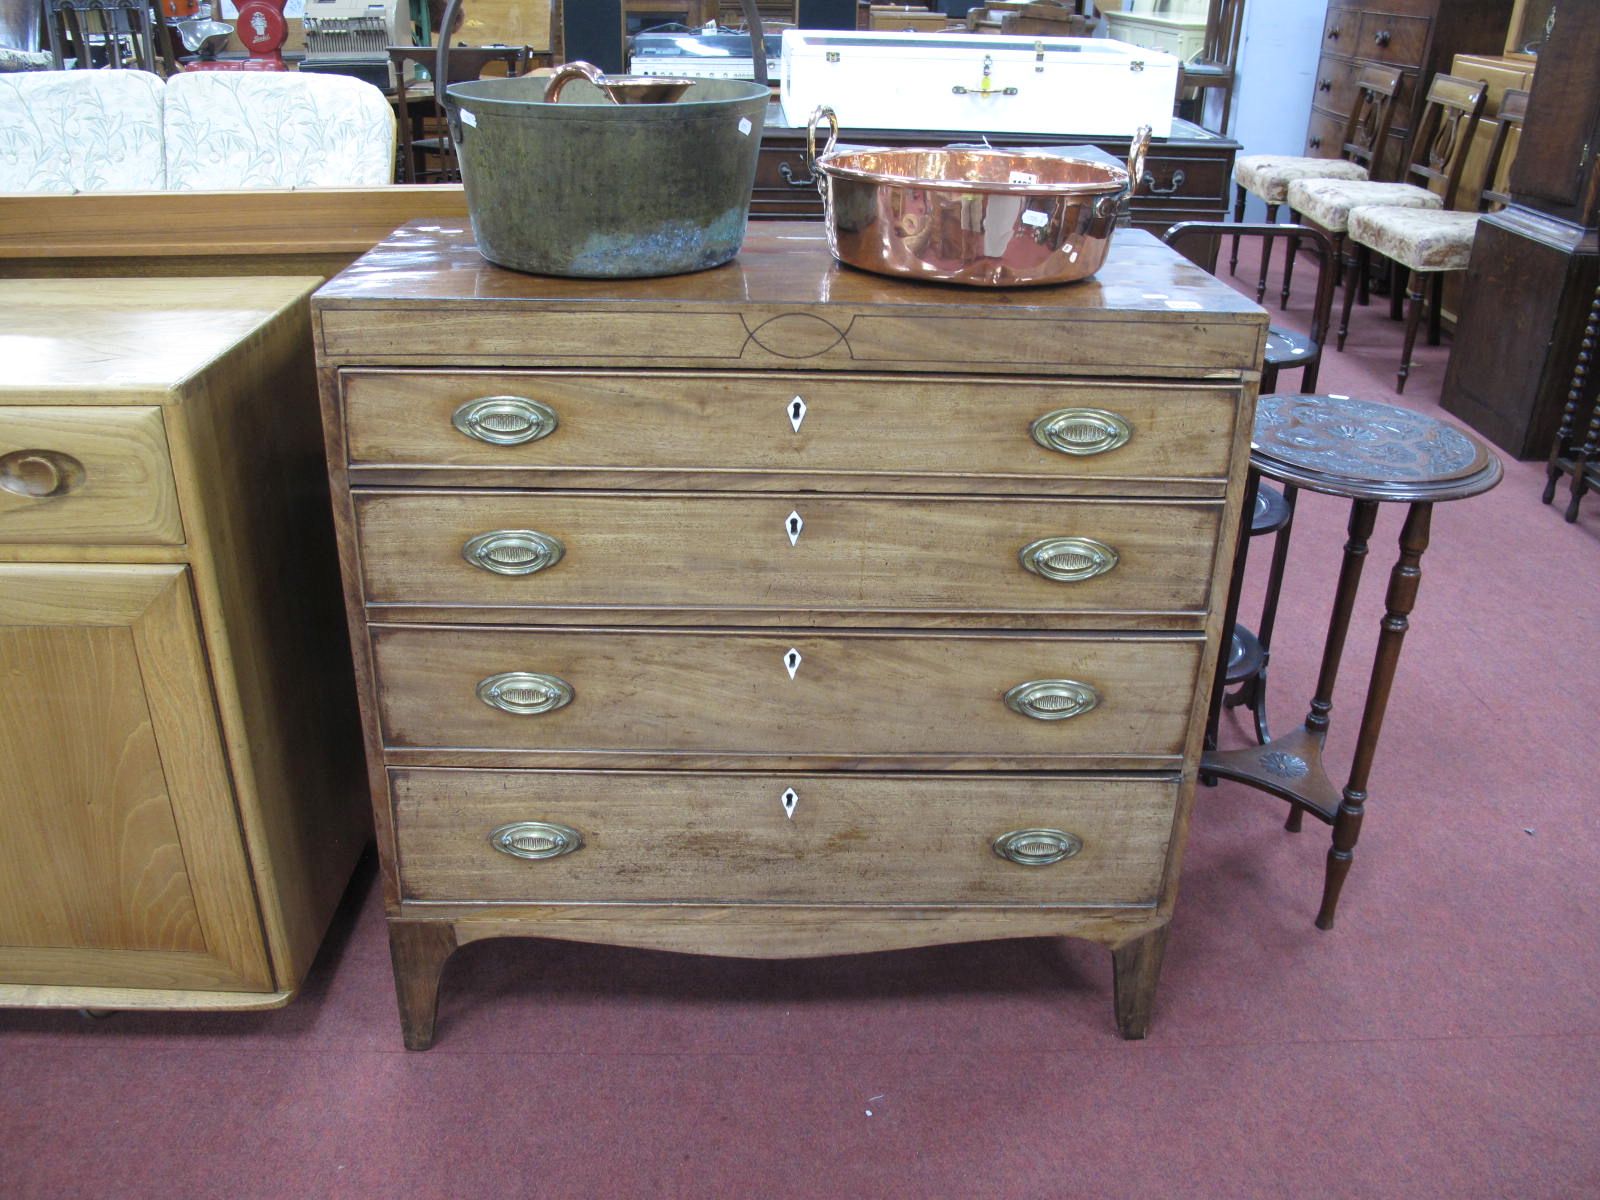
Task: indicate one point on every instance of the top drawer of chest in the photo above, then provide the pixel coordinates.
(758, 430)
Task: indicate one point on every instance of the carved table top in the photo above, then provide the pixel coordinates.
(1367, 451)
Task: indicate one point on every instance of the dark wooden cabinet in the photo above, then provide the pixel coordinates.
(1418, 36)
(1535, 264)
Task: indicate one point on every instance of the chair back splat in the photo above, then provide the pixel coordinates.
(1367, 130)
(1449, 119)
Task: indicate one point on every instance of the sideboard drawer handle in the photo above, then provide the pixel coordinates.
(1081, 431)
(536, 839)
(1068, 559)
(1037, 847)
(40, 474)
(505, 420)
(1052, 699)
(513, 551)
(525, 693)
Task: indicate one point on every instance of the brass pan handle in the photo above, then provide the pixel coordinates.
(1037, 847)
(1136, 153)
(821, 113)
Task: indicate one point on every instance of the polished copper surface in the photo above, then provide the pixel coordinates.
(971, 215)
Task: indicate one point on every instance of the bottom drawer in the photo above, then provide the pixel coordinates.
(829, 839)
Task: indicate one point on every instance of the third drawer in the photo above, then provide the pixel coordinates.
(547, 695)
(515, 555)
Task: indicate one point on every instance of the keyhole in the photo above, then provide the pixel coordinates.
(797, 412)
(791, 660)
(794, 525)
(789, 802)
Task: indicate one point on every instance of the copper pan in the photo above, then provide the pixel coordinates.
(973, 215)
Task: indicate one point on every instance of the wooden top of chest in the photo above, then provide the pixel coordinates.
(426, 297)
(128, 341)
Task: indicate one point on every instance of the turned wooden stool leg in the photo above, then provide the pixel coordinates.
(1399, 602)
(1239, 197)
(1581, 459)
(1566, 436)
(1266, 253)
(1135, 971)
(1288, 262)
(1436, 309)
(1355, 264)
(1269, 620)
(419, 950)
(1413, 315)
(1363, 515)
(1231, 611)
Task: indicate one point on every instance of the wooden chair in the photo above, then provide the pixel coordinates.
(1286, 349)
(1268, 176)
(1438, 155)
(466, 63)
(110, 33)
(1216, 63)
(1432, 242)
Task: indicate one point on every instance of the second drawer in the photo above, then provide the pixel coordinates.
(785, 695)
(753, 553)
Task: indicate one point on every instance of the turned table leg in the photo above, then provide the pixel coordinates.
(1401, 599)
(419, 950)
(1136, 969)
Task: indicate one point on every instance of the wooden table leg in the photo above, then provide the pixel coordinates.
(1136, 969)
(419, 950)
(1231, 614)
(1401, 599)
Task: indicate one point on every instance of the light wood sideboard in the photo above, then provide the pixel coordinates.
(781, 610)
(181, 802)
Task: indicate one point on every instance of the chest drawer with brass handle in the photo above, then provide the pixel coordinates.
(879, 696)
(735, 430)
(535, 556)
(87, 475)
(853, 839)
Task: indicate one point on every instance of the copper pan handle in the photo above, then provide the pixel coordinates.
(820, 113)
(1136, 153)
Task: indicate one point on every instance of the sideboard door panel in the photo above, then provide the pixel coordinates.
(120, 864)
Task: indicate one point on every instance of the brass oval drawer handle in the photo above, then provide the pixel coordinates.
(1037, 847)
(40, 474)
(525, 693)
(536, 839)
(513, 551)
(1068, 559)
(1081, 431)
(505, 420)
(1052, 699)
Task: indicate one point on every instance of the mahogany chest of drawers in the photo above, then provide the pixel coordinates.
(781, 610)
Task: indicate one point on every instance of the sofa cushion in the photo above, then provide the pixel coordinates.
(1269, 175)
(81, 131)
(1328, 201)
(237, 129)
(1418, 238)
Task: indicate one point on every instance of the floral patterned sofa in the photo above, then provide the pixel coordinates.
(119, 131)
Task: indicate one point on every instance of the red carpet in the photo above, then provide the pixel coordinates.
(1440, 1042)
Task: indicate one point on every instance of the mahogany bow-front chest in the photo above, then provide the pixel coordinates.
(782, 610)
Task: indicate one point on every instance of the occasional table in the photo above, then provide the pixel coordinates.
(1370, 454)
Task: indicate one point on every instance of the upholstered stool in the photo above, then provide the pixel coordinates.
(1268, 176)
(1369, 454)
